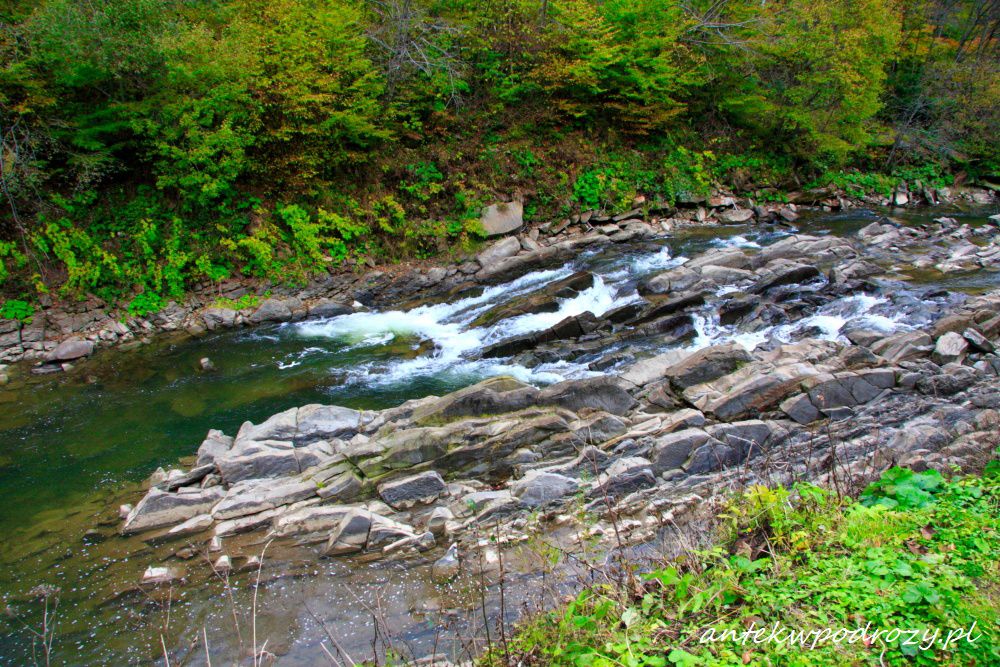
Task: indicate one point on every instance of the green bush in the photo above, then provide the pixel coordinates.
(16, 309)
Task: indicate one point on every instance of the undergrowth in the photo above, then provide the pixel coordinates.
(907, 574)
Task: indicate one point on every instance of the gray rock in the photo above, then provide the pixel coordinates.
(783, 272)
(950, 347)
(343, 487)
(625, 475)
(351, 534)
(215, 318)
(598, 393)
(679, 279)
(192, 526)
(71, 348)
(682, 419)
(747, 437)
(978, 341)
(447, 567)
(671, 450)
(216, 444)
(913, 437)
(325, 422)
(272, 461)
(903, 346)
(493, 396)
(539, 487)
(437, 520)
(253, 496)
(713, 455)
(328, 308)
(707, 364)
(189, 478)
(422, 488)
(735, 215)
(800, 408)
(723, 275)
(274, 310)
(314, 522)
(502, 218)
(502, 249)
(162, 508)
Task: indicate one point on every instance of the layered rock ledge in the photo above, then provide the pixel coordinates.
(647, 440)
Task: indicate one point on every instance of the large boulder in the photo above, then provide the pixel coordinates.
(950, 347)
(329, 308)
(500, 250)
(363, 530)
(783, 272)
(312, 523)
(752, 389)
(275, 310)
(406, 492)
(325, 422)
(270, 459)
(570, 327)
(162, 508)
(903, 346)
(538, 487)
(625, 475)
(747, 437)
(492, 396)
(707, 364)
(302, 425)
(502, 218)
(672, 450)
(597, 393)
(678, 279)
(72, 348)
(648, 370)
(216, 444)
(811, 248)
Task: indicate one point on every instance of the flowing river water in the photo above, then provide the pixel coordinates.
(75, 446)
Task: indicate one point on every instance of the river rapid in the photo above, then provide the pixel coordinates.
(76, 446)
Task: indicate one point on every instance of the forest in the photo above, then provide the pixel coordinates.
(150, 146)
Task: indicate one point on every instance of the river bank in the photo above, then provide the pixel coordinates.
(61, 333)
(653, 374)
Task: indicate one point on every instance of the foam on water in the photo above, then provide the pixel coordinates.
(456, 344)
(735, 242)
(827, 323)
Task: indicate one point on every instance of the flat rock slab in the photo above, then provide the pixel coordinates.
(423, 488)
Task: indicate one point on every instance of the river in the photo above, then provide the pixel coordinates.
(76, 445)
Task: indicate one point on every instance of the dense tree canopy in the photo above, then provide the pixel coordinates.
(149, 143)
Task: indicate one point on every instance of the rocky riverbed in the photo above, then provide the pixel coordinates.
(814, 384)
(624, 395)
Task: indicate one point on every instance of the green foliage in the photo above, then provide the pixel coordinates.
(145, 303)
(248, 301)
(11, 258)
(806, 561)
(16, 309)
(904, 489)
(149, 145)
